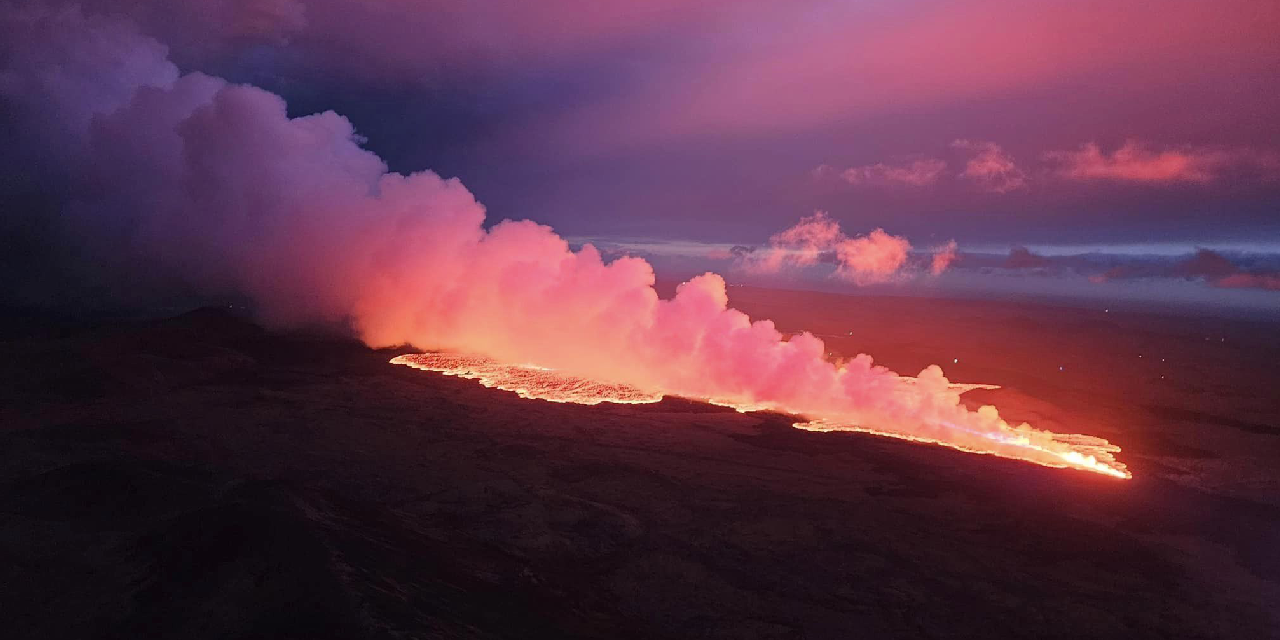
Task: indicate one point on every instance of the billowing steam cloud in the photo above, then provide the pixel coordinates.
(212, 185)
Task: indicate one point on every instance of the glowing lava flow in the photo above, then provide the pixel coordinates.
(1071, 451)
(527, 381)
(1075, 451)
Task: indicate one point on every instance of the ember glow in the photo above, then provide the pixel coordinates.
(1067, 451)
(528, 381)
(533, 382)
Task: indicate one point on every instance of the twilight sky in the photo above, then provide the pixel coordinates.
(988, 121)
(1000, 124)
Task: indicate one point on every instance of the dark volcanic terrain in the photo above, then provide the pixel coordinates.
(199, 477)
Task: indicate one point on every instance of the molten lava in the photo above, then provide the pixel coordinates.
(1059, 450)
(1022, 442)
(528, 381)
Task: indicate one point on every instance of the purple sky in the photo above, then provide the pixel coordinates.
(710, 120)
(997, 123)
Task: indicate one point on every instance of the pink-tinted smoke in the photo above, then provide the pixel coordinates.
(214, 184)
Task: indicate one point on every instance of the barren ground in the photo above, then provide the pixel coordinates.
(198, 477)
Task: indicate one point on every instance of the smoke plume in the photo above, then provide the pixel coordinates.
(190, 181)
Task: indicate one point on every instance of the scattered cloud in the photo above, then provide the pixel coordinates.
(798, 246)
(875, 257)
(942, 258)
(1220, 271)
(1206, 265)
(1135, 162)
(817, 240)
(1267, 282)
(991, 169)
(918, 173)
(1023, 258)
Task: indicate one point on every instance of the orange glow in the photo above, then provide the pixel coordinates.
(1068, 451)
(1063, 451)
(527, 381)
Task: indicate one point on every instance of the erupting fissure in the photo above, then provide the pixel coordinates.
(527, 381)
(185, 184)
(534, 382)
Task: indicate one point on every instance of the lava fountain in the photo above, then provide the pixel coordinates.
(533, 382)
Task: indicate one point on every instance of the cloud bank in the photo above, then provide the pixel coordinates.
(989, 168)
(919, 173)
(1205, 265)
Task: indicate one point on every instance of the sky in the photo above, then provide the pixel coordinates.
(1122, 120)
(1060, 127)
